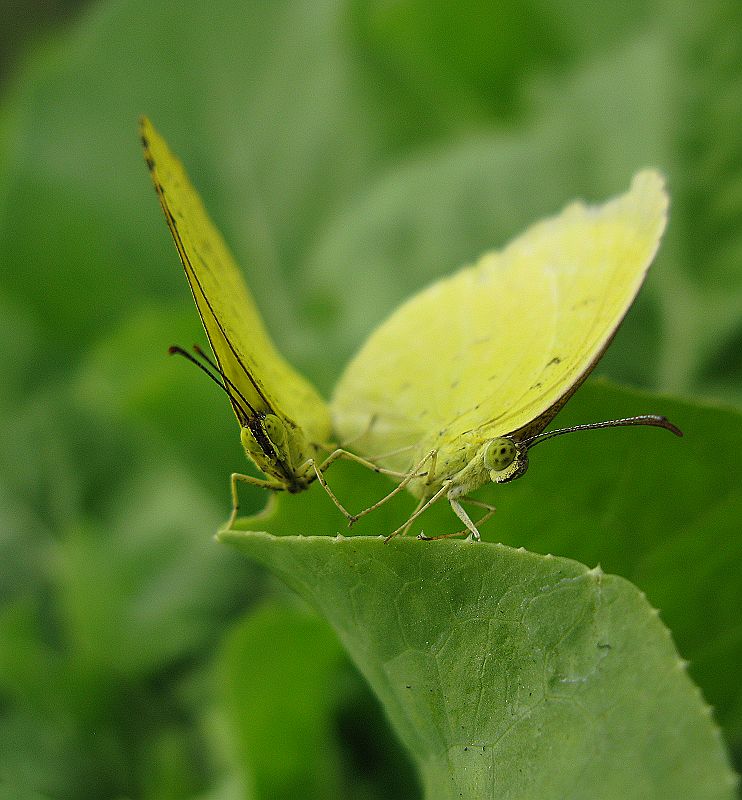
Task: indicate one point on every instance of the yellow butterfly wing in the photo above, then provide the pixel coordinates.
(267, 384)
(497, 348)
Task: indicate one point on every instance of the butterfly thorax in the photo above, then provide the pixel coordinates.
(279, 449)
(473, 463)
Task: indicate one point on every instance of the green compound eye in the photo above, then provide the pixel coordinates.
(275, 430)
(499, 454)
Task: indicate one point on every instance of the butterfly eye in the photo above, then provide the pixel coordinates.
(499, 454)
(275, 430)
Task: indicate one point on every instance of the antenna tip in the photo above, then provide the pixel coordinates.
(663, 422)
(670, 427)
(676, 431)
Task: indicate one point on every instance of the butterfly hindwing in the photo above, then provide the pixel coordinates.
(495, 348)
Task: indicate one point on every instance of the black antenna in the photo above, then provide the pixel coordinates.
(222, 384)
(202, 354)
(219, 371)
(654, 420)
(174, 350)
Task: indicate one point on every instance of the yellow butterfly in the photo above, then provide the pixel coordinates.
(284, 423)
(454, 389)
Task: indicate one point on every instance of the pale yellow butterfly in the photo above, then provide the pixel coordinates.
(451, 391)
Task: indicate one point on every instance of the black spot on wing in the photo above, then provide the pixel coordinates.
(582, 303)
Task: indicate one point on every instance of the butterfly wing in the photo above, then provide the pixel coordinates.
(267, 384)
(498, 347)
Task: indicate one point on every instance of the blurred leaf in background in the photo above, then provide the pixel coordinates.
(351, 152)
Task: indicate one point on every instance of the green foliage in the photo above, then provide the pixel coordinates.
(294, 719)
(351, 152)
(488, 659)
(639, 519)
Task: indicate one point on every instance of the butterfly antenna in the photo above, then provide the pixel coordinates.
(204, 356)
(224, 377)
(222, 384)
(174, 350)
(654, 420)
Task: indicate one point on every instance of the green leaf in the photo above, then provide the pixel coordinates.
(648, 505)
(510, 674)
(119, 589)
(660, 511)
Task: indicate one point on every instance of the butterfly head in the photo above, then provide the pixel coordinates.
(275, 446)
(505, 459)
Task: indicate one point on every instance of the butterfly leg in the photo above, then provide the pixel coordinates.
(312, 464)
(364, 462)
(406, 478)
(489, 509)
(431, 474)
(421, 508)
(405, 529)
(330, 446)
(458, 509)
(364, 432)
(260, 482)
(353, 518)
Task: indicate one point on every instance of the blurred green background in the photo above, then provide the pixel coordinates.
(350, 151)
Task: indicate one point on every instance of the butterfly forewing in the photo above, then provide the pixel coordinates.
(241, 344)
